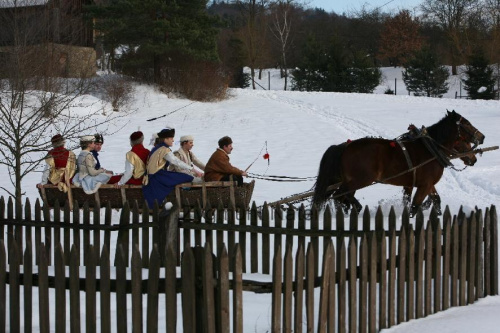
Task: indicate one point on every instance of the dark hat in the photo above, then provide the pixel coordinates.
(98, 138)
(57, 140)
(136, 136)
(166, 133)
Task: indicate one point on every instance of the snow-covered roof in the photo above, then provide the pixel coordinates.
(21, 3)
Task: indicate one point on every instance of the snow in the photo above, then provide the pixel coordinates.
(298, 127)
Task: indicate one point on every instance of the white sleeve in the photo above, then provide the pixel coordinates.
(45, 174)
(170, 157)
(129, 169)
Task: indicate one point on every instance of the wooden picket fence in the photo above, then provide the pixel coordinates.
(370, 275)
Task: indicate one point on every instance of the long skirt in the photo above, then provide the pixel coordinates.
(161, 184)
(90, 184)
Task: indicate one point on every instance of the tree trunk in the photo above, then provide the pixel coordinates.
(252, 74)
(157, 69)
(19, 195)
(453, 69)
(285, 70)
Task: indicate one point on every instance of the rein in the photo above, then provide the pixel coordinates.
(280, 178)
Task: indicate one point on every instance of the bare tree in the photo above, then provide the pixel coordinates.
(281, 26)
(452, 17)
(253, 32)
(491, 12)
(35, 102)
(400, 38)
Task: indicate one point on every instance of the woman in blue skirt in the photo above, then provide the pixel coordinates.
(159, 182)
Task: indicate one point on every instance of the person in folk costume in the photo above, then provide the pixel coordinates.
(99, 141)
(135, 161)
(218, 167)
(89, 178)
(155, 140)
(186, 155)
(159, 182)
(60, 164)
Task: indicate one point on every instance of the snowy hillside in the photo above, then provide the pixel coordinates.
(298, 127)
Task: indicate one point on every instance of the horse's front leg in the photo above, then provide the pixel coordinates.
(436, 202)
(418, 198)
(433, 200)
(407, 196)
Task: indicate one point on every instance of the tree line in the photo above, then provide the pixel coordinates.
(177, 43)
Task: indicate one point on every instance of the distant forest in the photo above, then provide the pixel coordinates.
(275, 33)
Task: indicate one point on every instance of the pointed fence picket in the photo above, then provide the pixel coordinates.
(367, 279)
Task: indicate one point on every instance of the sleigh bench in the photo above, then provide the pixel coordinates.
(186, 194)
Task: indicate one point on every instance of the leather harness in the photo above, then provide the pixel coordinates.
(408, 160)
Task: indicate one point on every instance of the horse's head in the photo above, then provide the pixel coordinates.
(466, 132)
(465, 147)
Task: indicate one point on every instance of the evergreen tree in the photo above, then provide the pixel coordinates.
(310, 75)
(331, 69)
(151, 32)
(480, 82)
(364, 77)
(424, 76)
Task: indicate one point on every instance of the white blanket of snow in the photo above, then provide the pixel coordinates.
(298, 127)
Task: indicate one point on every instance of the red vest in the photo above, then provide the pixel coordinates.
(140, 151)
(60, 155)
(143, 154)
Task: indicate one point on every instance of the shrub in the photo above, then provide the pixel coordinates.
(117, 90)
(195, 80)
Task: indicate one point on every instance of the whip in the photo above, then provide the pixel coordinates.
(185, 106)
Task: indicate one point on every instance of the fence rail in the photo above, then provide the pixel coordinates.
(371, 275)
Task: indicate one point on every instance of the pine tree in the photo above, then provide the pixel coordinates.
(480, 82)
(424, 76)
(151, 32)
(310, 74)
(364, 77)
(331, 69)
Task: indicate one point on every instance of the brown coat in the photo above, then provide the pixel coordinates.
(218, 166)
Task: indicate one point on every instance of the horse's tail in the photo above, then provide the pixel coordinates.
(329, 173)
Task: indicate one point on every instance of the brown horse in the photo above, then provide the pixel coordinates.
(434, 199)
(365, 161)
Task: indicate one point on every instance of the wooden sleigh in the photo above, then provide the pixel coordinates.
(186, 194)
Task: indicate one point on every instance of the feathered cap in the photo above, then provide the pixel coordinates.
(166, 133)
(98, 138)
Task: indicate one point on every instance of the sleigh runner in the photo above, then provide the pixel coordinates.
(187, 194)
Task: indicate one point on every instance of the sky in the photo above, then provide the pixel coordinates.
(341, 6)
(296, 128)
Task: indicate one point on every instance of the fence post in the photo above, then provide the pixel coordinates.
(494, 251)
(168, 224)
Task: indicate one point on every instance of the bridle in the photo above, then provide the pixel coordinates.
(467, 131)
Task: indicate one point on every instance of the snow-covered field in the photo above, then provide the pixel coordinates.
(298, 127)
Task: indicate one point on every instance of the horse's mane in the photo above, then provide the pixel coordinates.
(440, 131)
